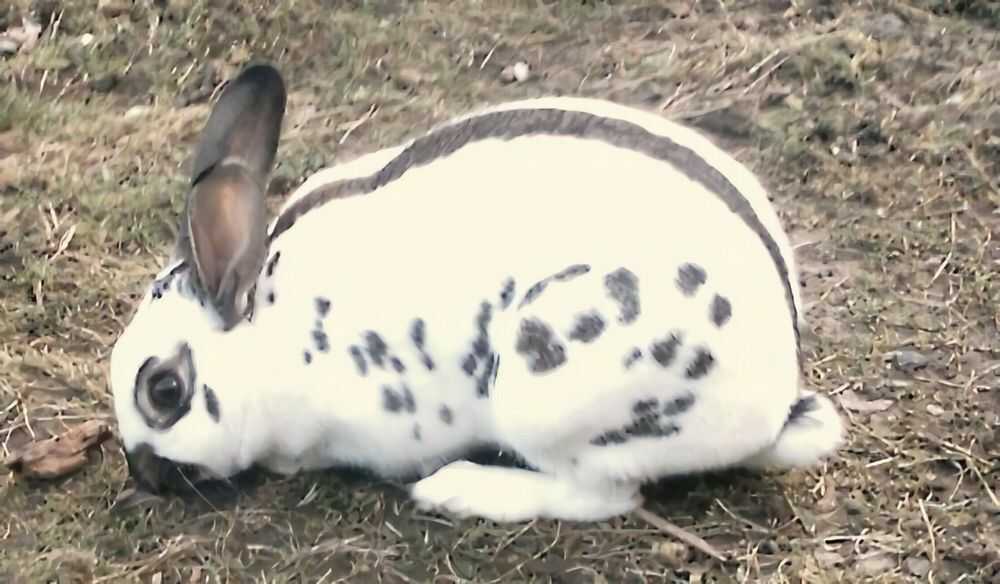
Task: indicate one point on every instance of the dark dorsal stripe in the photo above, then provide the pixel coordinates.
(509, 124)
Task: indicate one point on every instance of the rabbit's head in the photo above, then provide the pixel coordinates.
(171, 395)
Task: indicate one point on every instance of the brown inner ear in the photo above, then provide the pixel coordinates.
(225, 214)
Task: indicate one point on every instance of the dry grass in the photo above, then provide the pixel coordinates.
(874, 123)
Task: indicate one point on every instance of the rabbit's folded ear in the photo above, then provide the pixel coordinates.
(223, 232)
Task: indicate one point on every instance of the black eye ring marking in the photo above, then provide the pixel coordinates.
(163, 389)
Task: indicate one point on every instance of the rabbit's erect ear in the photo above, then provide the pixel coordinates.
(223, 231)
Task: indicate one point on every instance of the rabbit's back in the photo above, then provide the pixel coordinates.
(526, 147)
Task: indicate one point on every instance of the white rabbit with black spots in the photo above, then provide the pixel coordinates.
(596, 289)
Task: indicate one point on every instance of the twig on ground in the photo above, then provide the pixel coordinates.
(681, 534)
(930, 531)
(358, 123)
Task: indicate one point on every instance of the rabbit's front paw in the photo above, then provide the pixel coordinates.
(501, 494)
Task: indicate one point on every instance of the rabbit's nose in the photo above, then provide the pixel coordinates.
(153, 473)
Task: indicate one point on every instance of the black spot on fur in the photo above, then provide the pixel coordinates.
(160, 287)
(533, 293)
(396, 401)
(679, 405)
(648, 425)
(270, 297)
(481, 346)
(507, 294)
(469, 364)
(308, 357)
(690, 277)
(359, 360)
(801, 408)
(665, 351)
(408, 400)
(571, 272)
(376, 348)
(322, 306)
(648, 421)
(418, 332)
(561, 276)
(483, 386)
(701, 364)
(320, 340)
(487, 376)
(607, 438)
(587, 328)
(537, 343)
(416, 432)
(211, 403)
(272, 263)
(633, 356)
(446, 416)
(623, 287)
(392, 401)
(397, 364)
(720, 310)
(645, 407)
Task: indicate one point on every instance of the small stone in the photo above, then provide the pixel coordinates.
(886, 26)
(112, 8)
(907, 360)
(854, 507)
(522, 72)
(917, 566)
(675, 553)
(519, 72)
(8, 46)
(935, 410)
(407, 78)
(104, 83)
(137, 111)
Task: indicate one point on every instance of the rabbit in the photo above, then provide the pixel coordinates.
(597, 290)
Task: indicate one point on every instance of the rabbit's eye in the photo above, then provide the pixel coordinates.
(166, 391)
(163, 388)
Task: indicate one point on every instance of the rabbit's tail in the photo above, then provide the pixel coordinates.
(813, 431)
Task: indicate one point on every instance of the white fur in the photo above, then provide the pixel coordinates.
(807, 439)
(435, 244)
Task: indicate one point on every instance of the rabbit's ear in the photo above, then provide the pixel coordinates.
(223, 231)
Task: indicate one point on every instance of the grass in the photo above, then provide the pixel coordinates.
(874, 124)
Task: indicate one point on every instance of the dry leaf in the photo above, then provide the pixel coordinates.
(854, 402)
(60, 455)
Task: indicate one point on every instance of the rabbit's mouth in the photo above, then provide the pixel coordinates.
(157, 475)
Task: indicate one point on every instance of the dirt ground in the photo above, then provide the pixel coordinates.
(874, 123)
